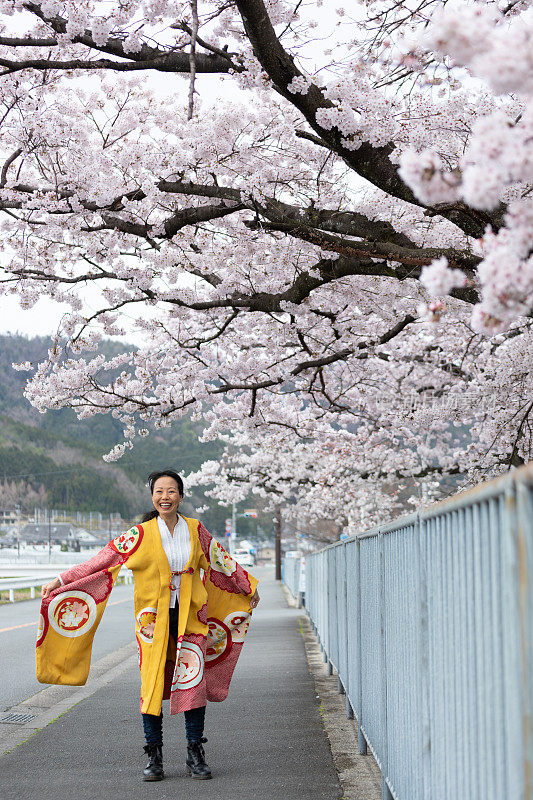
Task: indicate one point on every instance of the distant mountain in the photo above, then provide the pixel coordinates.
(64, 455)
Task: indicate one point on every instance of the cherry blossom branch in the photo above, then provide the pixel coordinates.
(416, 257)
(149, 57)
(371, 162)
(297, 222)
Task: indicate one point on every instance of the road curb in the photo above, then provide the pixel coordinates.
(46, 706)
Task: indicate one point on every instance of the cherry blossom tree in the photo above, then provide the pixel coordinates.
(330, 263)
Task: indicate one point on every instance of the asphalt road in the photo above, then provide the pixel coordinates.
(18, 627)
(266, 741)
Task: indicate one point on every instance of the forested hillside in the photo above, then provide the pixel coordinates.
(63, 455)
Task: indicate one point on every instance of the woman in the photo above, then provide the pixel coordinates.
(193, 605)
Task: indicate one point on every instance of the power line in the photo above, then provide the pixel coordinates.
(35, 474)
(70, 469)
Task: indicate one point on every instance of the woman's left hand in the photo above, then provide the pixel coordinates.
(255, 600)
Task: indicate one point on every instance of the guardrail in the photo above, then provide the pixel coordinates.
(11, 584)
(30, 582)
(428, 623)
(28, 556)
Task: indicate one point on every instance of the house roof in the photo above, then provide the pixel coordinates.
(41, 531)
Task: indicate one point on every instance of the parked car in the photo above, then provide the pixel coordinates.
(243, 557)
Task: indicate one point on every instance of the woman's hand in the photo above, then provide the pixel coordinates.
(49, 587)
(255, 600)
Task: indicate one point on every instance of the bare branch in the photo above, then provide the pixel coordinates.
(342, 355)
(192, 57)
(210, 47)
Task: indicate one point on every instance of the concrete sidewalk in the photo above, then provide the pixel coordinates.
(266, 741)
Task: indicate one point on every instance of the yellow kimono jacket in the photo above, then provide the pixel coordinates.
(214, 615)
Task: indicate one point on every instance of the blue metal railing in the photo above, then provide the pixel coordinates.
(293, 575)
(428, 623)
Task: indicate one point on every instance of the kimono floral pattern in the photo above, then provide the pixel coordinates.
(128, 542)
(219, 673)
(220, 560)
(225, 573)
(219, 641)
(72, 613)
(146, 621)
(238, 623)
(189, 670)
(95, 572)
(188, 685)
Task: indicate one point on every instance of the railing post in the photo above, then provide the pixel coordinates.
(524, 548)
(385, 791)
(361, 741)
(349, 709)
(421, 544)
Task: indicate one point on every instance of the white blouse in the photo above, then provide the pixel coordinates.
(177, 549)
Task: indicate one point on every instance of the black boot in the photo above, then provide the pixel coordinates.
(154, 769)
(196, 760)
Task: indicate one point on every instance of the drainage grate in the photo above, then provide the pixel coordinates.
(18, 719)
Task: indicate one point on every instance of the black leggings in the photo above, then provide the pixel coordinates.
(194, 719)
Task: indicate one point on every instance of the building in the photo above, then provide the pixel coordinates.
(266, 554)
(42, 533)
(7, 517)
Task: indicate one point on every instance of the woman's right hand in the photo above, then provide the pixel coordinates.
(49, 587)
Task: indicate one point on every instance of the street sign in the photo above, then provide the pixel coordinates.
(228, 527)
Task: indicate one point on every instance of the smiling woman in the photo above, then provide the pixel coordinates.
(188, 592)
(166, 488)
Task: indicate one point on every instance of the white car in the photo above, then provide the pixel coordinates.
(243, 557)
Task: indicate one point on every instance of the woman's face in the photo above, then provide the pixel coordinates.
(166, 496)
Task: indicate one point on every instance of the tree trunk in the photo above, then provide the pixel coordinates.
(277, 530)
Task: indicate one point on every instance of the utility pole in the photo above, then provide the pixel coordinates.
(49, 537)
(277, 532)
(17, 509)
(233, 537)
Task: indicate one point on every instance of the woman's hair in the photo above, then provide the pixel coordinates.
(152, 477)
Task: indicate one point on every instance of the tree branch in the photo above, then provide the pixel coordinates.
(192, 56)
(150, 57)
(171, 62)
(7, 164)
(371, 162)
